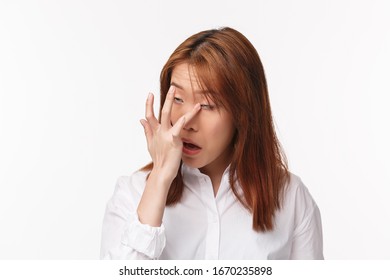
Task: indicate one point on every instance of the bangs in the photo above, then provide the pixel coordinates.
(209, 81)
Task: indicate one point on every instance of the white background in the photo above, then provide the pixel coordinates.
(74, 76)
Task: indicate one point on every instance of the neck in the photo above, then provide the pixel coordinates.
(216, 169)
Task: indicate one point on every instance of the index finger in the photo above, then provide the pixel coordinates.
(167, 108)
(176, 129)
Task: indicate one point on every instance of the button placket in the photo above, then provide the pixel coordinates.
(213, 223)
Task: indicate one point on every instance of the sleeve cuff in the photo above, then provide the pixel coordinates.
(145, 239)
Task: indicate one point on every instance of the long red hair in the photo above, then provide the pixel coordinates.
(229, 67)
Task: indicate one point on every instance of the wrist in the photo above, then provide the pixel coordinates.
(162, 176)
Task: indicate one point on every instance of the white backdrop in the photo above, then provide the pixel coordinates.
(74, 76)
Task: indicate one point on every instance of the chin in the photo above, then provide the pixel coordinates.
(192, 163)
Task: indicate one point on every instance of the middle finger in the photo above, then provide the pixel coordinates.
(149, 114)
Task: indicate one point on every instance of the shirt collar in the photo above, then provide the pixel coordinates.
(190, 173)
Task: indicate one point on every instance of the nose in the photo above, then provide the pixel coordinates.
(188, 128)
(192, 124)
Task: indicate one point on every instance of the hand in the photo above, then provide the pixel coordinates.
(164, 143)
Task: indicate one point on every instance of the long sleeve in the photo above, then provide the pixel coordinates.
(123, 236)
(307, 237)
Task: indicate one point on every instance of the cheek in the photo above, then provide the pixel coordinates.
(213, 128)
(223, 130)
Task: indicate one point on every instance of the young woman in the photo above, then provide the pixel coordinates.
(218, 186)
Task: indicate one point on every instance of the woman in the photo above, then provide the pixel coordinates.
(218, 186)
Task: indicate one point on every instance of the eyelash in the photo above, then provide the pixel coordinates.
(178, 100)
(203, 106)
(207, 107)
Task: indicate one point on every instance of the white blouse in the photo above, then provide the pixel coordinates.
(202, 226)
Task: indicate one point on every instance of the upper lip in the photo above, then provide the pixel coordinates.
(189, 141)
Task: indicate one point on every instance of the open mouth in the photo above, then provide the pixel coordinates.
(190, 149)
(190, 146)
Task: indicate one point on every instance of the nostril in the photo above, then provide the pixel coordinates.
(189, 128)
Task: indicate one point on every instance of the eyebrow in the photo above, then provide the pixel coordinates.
(196, 91)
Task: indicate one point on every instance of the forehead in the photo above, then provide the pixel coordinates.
(184, 77)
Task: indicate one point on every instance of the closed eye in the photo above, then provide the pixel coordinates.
(178, 100)
(207, 106)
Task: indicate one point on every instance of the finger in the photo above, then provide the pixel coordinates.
(149, 112)
(148, 131)
(167, 108)
(192, 113)
(176, 129)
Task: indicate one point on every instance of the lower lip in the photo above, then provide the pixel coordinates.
(190, 152)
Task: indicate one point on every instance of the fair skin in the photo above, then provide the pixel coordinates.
(192, 129)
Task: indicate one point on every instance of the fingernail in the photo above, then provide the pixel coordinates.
(171, 89)
(149, 95)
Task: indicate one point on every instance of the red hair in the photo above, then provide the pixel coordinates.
(229, 67)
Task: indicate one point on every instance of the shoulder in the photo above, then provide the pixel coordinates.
(134, 183)
(298, 197)
(128, 189)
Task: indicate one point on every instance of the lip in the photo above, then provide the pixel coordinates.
(188, 151)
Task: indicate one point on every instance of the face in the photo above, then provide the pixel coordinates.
(207, 137)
